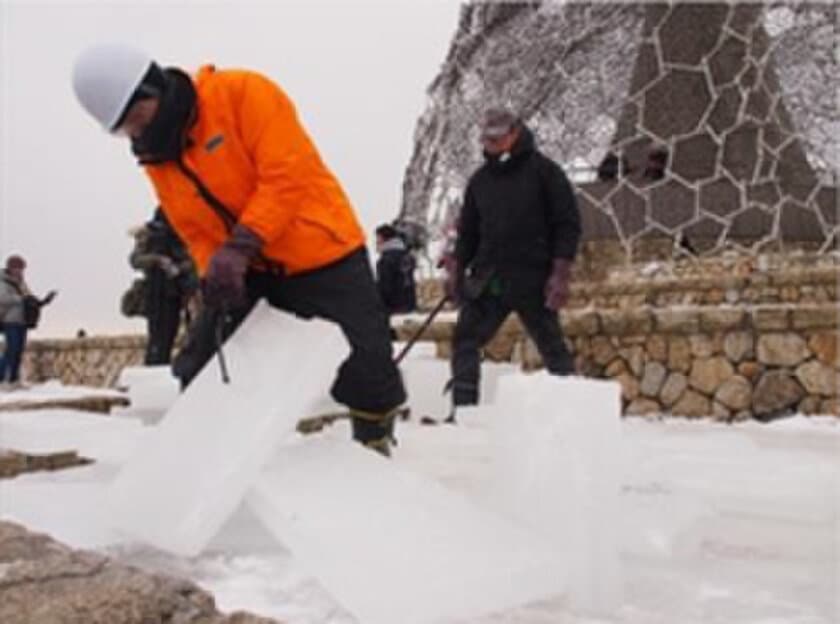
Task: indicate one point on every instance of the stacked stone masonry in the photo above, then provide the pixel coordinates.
(721, 338)
(95, 361)
(724, 362)
(726, 280)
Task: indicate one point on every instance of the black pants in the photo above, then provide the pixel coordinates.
(478, 321)
(162, 326)
(344, 293)
(14, 335)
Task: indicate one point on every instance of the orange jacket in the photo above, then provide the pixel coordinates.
(251, 152)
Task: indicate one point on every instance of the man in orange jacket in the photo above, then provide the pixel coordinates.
(262, 216)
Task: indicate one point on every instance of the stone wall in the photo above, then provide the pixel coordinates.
(95, 361)
(725, 362)
(736, 279)
(730, 337)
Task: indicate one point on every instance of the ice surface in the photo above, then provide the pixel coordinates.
(53, 390)
(50, 431)
(192, 473)
(394, 546)
(70, 510)
(557, 464)
(717, 524)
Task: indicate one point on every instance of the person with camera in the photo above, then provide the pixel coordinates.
(20, 311)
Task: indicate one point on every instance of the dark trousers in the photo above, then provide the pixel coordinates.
(478, 321)
(344, 293)
(162, 328)
(15, 336)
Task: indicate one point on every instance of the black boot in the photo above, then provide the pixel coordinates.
(375, 430)
(450, 420)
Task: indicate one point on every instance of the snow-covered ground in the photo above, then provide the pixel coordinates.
(53, 391)
(713, 523)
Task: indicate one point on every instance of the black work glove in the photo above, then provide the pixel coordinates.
(453, 279)
(557, 285)
(224, 283)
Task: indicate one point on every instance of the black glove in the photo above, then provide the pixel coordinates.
(224, 283)
(453, 280)
(48, 298)
(557, 285)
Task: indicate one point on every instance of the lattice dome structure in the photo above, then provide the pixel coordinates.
(702, 126)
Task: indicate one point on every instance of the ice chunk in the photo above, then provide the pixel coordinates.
(151, 389)
(426, 377)
(393, 546)
(193, 471)
(556, 466)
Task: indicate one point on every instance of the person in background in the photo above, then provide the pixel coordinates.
(170, 281)
(19, 311)
(517, 237)
(395, 271)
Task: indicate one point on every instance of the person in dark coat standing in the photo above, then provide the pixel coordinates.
(395, 271)
(170, 281)
(517, 238)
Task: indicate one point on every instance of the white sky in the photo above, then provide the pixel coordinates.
(357, 71)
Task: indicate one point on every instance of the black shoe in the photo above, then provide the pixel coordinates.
(374, 430)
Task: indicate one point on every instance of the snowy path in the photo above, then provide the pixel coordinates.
(716, 524)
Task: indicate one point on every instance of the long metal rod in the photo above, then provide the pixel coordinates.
(423, 327)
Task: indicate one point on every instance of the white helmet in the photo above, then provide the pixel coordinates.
(105, 77)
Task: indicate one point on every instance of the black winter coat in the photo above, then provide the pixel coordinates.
(518, 215)
(395, 279)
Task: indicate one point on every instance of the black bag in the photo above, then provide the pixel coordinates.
(133, 301)
(31, 311)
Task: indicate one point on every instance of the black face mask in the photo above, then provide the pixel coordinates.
(165, 137)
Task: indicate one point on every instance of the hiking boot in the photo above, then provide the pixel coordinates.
(375, 430)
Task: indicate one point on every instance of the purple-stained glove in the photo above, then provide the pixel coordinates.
(224, 282)
(557, 285)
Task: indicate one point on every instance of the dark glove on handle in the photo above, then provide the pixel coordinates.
(557, 285)
(224, 283)
(453, 279)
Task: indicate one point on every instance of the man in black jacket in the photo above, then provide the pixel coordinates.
(518, 234)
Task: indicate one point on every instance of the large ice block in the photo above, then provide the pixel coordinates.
(557, 461)
(426, 377)
(192, 472)
(393, 546)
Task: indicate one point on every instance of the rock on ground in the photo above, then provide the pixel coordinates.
(45, 582)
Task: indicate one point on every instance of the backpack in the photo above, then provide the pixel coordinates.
(133, 301)
(31, 311)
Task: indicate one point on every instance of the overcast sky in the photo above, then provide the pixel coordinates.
(357, 71)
